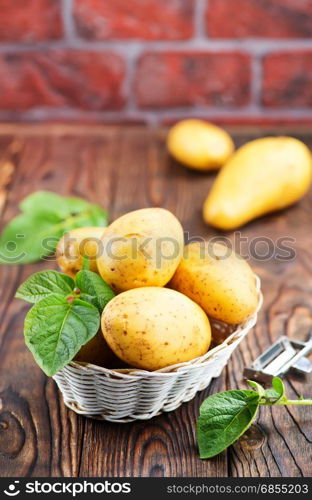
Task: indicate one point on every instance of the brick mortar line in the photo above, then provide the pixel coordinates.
(200, 31)
(251, 46)
(248, 112)
(256, 82)
(131, 67)
(68, 20)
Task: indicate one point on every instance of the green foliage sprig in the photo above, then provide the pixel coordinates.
(225, 416)
(64, 317)
(45, 217)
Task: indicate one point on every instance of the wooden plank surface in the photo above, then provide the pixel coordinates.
(123, 169)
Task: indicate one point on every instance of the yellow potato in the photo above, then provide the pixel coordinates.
(141, 248)
(153, 327)
(220, 281)
(262, 176)
(75, 244)
(199, 145)
(97, 352)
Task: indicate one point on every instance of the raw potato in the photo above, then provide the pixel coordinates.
(141, 248)
(76, 243)
(199, 145)
(220, 281)
(153, 327)
(262, 176)
(97, 352)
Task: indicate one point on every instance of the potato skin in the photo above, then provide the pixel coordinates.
(199, 145)
(132, 249)
(76, 243)
(97, 352)
(154, 327)
(220, 281)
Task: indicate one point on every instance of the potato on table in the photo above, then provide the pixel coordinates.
(264, 175)
(199, 145)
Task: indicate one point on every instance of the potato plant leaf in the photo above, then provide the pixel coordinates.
(273, 395)
(29, 237)
(93, 289)
(56, 328)
(223, 418)
(41, 284)
(45, 217)
(43, 201)
(258, 387)
(278, 388)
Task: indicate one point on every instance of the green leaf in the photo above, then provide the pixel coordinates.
(278, 386)
(258, 387)
(278, 391)
(46, 216)
(29, 237)
(45, 201)
(55, 329)
(94, 215)
(42, 284)
(271, 394)
(223, 418)
(94, 289)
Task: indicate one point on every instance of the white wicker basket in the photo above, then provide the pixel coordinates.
(125, 395)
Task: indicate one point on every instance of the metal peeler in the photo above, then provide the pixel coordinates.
(283, 355)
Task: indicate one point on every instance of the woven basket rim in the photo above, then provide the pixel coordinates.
(172, 370)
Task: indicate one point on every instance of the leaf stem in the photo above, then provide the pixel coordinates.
(290, 402)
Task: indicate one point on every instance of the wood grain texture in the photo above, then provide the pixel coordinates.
(122, 169)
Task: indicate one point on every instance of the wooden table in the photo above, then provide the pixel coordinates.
(124, 168)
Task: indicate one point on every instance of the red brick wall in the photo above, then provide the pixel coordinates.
(156, 60)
